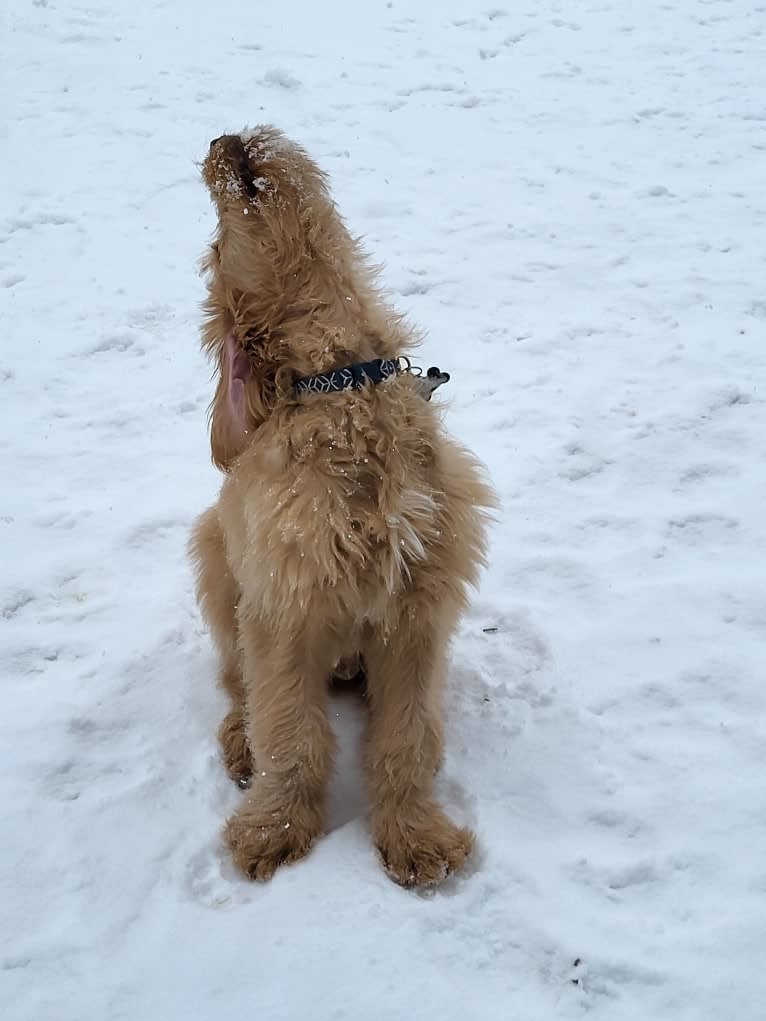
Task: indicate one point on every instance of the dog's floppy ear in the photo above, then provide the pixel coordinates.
(229, 417)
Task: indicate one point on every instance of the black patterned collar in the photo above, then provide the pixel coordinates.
(349, 377)
(353, 377)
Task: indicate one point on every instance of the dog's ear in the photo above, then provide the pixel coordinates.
(229, 415)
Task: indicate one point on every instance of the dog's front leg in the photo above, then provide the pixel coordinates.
(419, 845)
(293, 744)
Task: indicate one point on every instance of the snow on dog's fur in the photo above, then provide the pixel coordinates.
(348, 525)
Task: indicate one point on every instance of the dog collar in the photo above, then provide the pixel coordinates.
(350, 377)
(354, 377)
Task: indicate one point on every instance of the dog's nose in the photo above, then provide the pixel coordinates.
(216, 140)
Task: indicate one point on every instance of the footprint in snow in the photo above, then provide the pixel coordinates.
(704, 528)
(277, 77)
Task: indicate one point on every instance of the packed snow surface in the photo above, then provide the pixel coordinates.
(569, 199)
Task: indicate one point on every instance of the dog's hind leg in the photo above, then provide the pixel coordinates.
(419, 845)
(293, 742)
(218, 595)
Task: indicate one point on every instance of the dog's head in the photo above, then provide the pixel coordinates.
(289, 291)
(261, 163)
(275, 219)
(275, 257)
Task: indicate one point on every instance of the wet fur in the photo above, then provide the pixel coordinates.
(348, 525)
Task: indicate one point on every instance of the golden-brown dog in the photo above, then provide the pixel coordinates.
(348, 524)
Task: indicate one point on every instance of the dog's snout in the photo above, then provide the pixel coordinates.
(216, 140)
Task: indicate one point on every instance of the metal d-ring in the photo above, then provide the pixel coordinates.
(404, 364)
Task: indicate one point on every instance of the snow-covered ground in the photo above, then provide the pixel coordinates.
(570, 199)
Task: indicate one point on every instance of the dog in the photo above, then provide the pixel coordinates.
(348, 528)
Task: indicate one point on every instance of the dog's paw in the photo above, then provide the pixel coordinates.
(236, 751)
(422, 852)
(259, 844)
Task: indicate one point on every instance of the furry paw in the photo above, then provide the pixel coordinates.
(424, 851)
(260, 844)
(236, 751)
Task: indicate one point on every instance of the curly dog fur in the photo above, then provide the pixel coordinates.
(348, 526)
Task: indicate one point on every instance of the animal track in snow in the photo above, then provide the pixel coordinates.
(696, 529)
(706, 472)
(581, 464)
(614, 819)
(16, 603)
(277, 77)
(22, 223)
(447, 87)
(119, 343)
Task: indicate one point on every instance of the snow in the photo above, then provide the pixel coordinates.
(569, 199)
